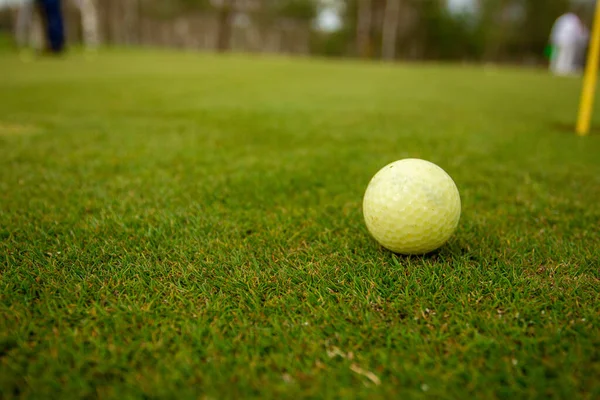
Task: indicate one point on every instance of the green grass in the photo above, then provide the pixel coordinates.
(7, 43)
(189, 226)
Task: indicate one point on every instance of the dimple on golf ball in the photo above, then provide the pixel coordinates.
(411, 206)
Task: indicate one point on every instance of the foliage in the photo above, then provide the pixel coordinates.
(535, 27)
(174, 8)
(6, 42)
(196, 4)
(331, 44)
(297, 9)
(447, 36)
(501, 29)
(267, 11)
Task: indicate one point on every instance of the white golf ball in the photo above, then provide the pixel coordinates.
(411, 206)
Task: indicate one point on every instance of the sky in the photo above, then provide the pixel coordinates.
(329, 20)
(460, 4)
(7, 2)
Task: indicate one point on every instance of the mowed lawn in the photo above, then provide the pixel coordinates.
(179, 225)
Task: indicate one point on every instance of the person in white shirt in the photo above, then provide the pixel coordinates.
(568, 38)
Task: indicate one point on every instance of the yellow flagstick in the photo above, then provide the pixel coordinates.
(590, 78)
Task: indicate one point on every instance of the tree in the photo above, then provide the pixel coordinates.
(305, 10)
(537, 23)
(390, 29)
(363, 27)
(224, 25)
(189, 5)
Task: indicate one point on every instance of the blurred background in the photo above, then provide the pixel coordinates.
(501, 31)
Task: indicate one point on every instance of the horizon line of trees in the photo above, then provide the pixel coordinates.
(499, 30)
(496, 30)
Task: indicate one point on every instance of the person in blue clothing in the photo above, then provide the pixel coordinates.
(52, 15)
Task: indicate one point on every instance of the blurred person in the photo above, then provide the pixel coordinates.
(28, 27)
(568, 37)
(52, 15)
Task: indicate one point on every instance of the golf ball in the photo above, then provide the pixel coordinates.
(411, 206)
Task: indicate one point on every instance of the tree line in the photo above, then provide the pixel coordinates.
(495, 30)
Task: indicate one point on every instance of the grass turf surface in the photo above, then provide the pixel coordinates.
(180, 225)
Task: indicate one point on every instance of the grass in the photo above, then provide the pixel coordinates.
(6, 42)
(189, 226)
